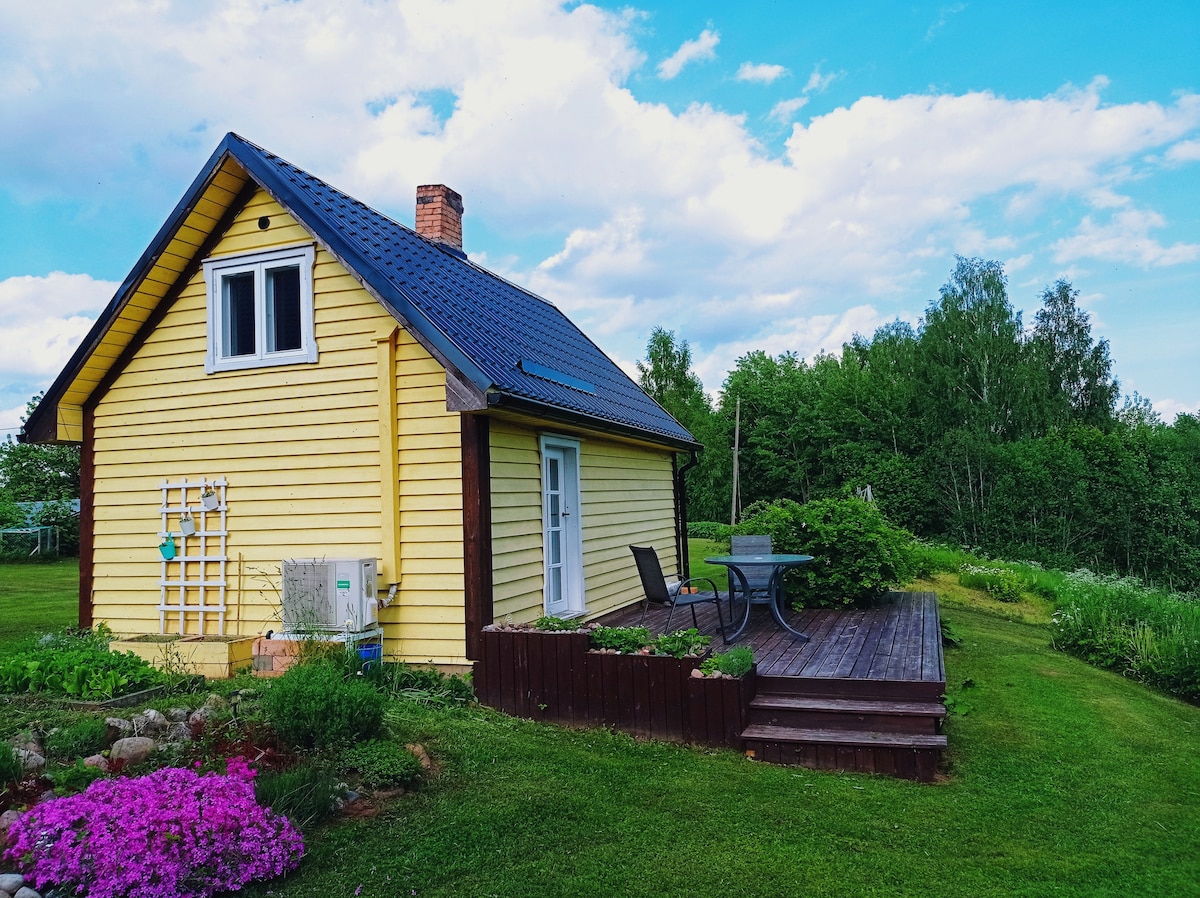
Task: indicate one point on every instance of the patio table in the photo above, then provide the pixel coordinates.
(781, 564)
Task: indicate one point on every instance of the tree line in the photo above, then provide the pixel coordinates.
(970, 428)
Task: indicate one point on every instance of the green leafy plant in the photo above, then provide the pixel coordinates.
(11, 768)
(1001, 584)
(306, 794)
(79, 739)
(382, 764)
(626, 640)
(736, 662)
(681, 643)
(315, 705)
(78, 670)
(554, 624)
(76, 778)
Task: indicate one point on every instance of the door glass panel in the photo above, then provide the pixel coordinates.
(554, 586)
(553, 504)
(556, 547)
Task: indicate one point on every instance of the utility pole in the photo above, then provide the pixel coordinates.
(737, 438)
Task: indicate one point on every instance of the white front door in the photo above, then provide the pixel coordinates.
(561, 534)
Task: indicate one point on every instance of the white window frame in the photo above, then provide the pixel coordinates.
(216, 269)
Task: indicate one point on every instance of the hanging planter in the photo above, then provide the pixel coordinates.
(208, 499)
(187, 526)
(167, 548)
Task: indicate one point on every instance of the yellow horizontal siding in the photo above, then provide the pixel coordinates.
(299, 445)
(516, 476)
(628, 499)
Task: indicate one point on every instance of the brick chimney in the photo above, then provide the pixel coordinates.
(439, 215)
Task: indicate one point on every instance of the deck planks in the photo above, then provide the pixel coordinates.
(899, 640)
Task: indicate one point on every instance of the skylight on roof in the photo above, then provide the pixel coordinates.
(557, 377)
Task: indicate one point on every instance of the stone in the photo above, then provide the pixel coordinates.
(7, 819)
(215, 702)
(26, 892)
(132, 749)
(150, 723)
(27, 742)
(98, 761)
(697, 674)
(200, 716)
(177, 732)
(118, 728)
(30, 760)
(178, 715)
(11, 882)
(418, 751)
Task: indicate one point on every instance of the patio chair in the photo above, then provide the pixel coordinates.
(758, 576)
(659, 592)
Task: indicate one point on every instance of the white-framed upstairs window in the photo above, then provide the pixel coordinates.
(260, 309)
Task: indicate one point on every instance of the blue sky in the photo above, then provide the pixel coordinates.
(766, 175)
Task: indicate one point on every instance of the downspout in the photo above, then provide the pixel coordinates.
(681, 554)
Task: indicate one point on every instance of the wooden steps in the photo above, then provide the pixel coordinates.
(818, 727)
(812, 712)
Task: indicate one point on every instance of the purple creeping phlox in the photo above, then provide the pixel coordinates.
(174, 832)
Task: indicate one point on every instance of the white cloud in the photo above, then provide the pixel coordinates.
(1169, 408)
(785, 110)
(645, 215)
(702, 48)
(42, 320)
(1124, 238)
(1184, 151)
(760, 71)
(818, 83)
(944, 15)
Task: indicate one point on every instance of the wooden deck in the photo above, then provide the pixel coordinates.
(900, 641)
(864, 693)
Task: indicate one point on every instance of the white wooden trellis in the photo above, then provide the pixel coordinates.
(201, 563)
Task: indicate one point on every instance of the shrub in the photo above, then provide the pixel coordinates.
(554, 624)
(681, 643)
(857, 554)
(736, 662)
(314, 705)
(195, 835)
(383, 765)
(626, 640)
(1001, 584)
(306, 794)
(709, 530)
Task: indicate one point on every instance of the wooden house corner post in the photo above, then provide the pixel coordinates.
(87, 515)
(389, 454)
(477, 529)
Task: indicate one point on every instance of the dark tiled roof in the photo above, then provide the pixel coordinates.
(482, 325)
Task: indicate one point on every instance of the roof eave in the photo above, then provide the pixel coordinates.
(546, 411)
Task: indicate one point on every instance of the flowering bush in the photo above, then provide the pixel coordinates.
(174, 832)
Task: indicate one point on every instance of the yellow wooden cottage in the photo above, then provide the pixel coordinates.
(288, 377)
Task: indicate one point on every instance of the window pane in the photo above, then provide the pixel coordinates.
(237, 314)
(283, 309)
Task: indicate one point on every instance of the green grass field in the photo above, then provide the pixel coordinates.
(1063, 780)
(37, 598)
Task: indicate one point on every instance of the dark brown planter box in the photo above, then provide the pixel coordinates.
(553, 677)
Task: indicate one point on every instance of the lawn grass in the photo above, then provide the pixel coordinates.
(36, 599)
(1063, 780)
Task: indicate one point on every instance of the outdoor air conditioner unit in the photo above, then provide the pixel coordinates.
(325, 593)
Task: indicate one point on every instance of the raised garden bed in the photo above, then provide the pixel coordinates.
(554, 677)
